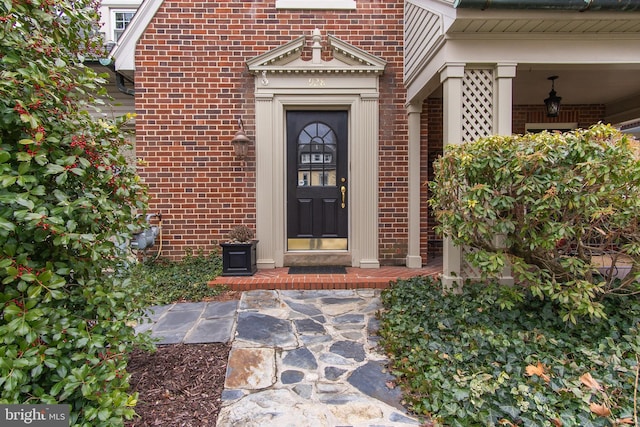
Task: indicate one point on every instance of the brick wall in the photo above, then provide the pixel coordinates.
(584, 115)
(192, 84)
(433, 149)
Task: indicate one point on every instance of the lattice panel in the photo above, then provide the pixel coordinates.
(477, 104)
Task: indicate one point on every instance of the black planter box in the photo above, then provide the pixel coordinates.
(239, 259)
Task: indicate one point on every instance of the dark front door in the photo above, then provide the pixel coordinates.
(317, 196)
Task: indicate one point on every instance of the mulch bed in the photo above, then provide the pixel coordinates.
(181, 384)
(178, 385)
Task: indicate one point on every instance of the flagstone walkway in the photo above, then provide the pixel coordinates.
(309, 358)
(303, 358)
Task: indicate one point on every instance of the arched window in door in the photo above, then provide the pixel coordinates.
(316, 156)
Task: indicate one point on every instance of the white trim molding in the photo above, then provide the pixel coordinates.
(283, 81)
(539, 127)
(311, 4)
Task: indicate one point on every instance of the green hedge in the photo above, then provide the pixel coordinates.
(552, 206)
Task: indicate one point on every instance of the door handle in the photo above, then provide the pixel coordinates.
(343, 190)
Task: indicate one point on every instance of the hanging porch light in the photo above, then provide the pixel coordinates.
(552, 103)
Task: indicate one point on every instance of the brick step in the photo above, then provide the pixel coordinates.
(279, 278)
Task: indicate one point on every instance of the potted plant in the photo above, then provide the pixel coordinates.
(239, 252)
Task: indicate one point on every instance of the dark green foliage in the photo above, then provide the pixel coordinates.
(67, 200)
(465, 362)
(165, 281)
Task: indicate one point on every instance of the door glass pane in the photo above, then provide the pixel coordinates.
(317, 156)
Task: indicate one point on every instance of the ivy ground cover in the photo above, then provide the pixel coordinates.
(462, 361)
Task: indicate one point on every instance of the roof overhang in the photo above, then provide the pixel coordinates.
(123, 53)
(577, 5)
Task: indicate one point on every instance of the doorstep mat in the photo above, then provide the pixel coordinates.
(318, 269)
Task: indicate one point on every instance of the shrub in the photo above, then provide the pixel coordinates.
(462, 362)
(561, 209)
(68, 200)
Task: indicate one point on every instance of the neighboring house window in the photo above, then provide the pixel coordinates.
(315, 4)
(119, 20)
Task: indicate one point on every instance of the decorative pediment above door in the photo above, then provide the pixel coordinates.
(287, 58)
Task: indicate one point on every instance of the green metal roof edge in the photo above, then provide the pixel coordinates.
(578, 5)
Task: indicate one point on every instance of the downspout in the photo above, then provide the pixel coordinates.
(120, 79)
(578, 5)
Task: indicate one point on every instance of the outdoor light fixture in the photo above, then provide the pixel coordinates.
(552, 103)
(240, 142)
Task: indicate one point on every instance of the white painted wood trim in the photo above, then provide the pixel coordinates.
(505, 73)
(271, 171)
(413, 259)
(311, 4)
(451, 76)
(123, 52)
(284, 82)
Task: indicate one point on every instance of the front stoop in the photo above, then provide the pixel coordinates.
(310, 259)
(376, 278)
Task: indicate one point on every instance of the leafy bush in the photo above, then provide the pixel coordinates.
(165, 281)
(562, 209)
(67, 199)
(464, 362)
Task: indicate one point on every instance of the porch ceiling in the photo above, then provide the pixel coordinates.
(618, 89)
(616, 86)
(595, 54)
(556, 22)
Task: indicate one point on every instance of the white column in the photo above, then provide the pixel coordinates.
(505, 74)
(414, 260)
(504, 98)
(451, 77)
(265, 179)
(365, 217)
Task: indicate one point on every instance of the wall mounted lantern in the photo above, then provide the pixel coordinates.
(552, 103)
(240, 142)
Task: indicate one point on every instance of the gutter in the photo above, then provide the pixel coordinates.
(109, 64)
(577, 5)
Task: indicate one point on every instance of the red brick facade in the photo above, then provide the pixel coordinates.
(192, 83)
(583, 115)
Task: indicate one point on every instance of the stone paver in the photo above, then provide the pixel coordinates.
(309, 358)
(191, 323)
(210, 330)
